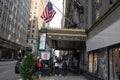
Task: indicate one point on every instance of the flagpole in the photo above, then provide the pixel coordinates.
(62, 13)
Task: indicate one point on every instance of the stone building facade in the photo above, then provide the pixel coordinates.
(103, 38)
(101, 19)
(76, 17)
(35, 24)
(14, 20)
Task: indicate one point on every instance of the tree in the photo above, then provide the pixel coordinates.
(27, 68)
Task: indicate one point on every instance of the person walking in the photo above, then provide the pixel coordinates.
(64, 67)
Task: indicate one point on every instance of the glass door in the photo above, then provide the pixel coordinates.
(91, 63)
(116, 61)
(114, 64)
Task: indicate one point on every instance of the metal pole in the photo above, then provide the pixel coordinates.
(62, 13)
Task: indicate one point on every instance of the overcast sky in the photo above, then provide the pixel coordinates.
(56, 21)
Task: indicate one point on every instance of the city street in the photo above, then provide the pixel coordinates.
(7, 71)
(60, 39)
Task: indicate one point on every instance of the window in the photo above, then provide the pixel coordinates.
(28, 36)
(32, 31)
(95, 62)
(32, 36)
(33, 21)
(35, 7)
(114, 64)
(91, 63)
(30, 16)
(29, 22)
(31, 41)
(27, 41)
(28, 26)
(33, 26)
(98, 4)
(111, 1)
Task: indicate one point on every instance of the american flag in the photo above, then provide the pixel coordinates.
(48, 12)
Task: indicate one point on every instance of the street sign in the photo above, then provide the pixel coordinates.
(45, 55)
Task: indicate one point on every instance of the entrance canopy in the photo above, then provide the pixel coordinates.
(65, 39)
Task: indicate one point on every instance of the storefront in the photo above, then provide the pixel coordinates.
(105, 63)
(98, 64)
(114, 63)
(104, 50)
(10, 50)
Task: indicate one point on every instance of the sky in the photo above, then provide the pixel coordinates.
(56, 21)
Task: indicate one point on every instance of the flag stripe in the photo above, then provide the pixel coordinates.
(48, 13)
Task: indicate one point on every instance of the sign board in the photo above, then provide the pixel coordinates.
(42, 41)
(45, 55)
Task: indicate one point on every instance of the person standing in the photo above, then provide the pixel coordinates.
(38, 66)
(57, 67)
(75, 64)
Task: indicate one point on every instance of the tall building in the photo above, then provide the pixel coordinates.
(76, 13)
(35, 24)
(14, 20)
(63, 17)
(101, 19)
(103, 44)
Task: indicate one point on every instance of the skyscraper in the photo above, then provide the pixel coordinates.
(35, 23)
(14, 19)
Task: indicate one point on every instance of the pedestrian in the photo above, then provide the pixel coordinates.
(56, 66)
(64, 67)
(75, 64)
(38, 66)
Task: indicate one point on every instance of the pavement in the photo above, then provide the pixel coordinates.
(68, 77)
(8, 68)
(2, 63)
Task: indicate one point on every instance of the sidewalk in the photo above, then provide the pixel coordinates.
(69, 77)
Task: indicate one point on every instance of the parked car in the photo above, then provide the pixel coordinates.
(18, 62)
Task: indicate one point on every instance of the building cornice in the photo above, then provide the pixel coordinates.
(117, 4)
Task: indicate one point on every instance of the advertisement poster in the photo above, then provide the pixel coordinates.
(42, 41)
